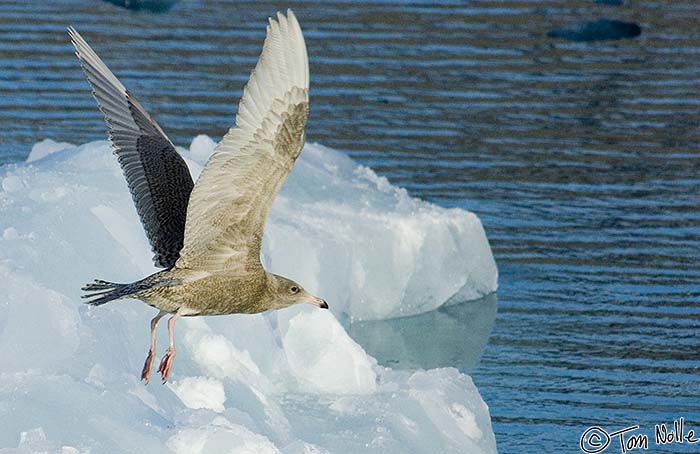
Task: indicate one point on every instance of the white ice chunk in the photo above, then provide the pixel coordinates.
(129, 235)
(10, 233)
(34, 439)
(326, 360)
(221, 437)
(290, 381)
(39, 327)
(201, 148)
(200, 392)
(367, 247)
(12, 183)
(46, 147)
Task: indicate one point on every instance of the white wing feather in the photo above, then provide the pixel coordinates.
(231, 199)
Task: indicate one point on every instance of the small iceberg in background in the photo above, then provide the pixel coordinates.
(290, 381)
(46, 147)
(603, 29)
(154, 6)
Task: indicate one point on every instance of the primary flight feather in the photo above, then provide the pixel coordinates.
(208, 235)
(158, 178)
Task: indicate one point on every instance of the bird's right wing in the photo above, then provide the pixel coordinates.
(158, 178)
(230, 202)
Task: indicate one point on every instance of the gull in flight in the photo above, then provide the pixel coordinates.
(208, 235)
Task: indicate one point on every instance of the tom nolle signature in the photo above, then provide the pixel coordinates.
(596, 439)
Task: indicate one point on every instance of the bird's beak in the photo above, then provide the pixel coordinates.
(318, 302)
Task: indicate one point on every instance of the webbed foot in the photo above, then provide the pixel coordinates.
(146, 372)
(166, 363)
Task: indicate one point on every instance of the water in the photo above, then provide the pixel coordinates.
(580, 159)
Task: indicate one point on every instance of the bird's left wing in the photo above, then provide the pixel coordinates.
(158, 178)
(231, 199)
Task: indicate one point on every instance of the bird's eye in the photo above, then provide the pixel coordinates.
(294, 289)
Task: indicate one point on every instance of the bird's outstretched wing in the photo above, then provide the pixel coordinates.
(230, 202)
(158, 178)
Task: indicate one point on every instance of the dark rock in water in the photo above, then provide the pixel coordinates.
(155, 6)
(599, 30)
(610, 2)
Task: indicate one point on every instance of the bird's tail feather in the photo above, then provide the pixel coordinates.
(103, 292)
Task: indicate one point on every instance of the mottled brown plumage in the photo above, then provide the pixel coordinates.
(218, 270)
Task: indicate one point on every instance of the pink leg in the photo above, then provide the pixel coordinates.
(146, 372)
(167, 360)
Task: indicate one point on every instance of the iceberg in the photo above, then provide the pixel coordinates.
(291, 381)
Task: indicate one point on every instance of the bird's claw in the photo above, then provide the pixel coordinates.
(166, 363)
(146, 372)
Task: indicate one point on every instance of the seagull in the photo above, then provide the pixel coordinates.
(207, 236)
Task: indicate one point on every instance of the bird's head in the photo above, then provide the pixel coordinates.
(286, 292)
